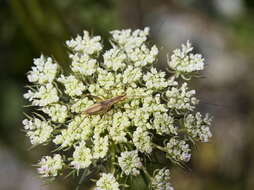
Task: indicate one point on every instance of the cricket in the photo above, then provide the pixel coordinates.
(103, 105)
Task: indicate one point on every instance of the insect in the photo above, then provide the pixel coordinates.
(104, 105)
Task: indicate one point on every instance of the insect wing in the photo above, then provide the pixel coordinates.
(94, 109)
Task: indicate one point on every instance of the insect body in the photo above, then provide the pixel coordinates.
(104, 105)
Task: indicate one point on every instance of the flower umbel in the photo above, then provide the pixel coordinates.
(161, 179)
(50, 166)
(107, 182)
(44, 71)
(130, 163)
(38, 131)
(82, 156)
(178, 150)
(116, 112)
(184, 62)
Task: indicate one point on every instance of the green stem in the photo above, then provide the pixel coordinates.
(82, 179)
(113, 153)
(147, 174)
(159, 147)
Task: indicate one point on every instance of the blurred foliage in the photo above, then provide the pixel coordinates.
(243, 28)
(35, 26)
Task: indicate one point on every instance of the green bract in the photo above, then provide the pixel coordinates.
(157, 116)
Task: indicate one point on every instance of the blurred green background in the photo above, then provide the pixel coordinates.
(222, 30)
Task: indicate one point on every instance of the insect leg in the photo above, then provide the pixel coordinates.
(97, 98)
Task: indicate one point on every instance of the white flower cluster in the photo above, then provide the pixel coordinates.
(133, 44)
(142, 140)
(57, 112)
(84, 48)
(181, 98)
(115, 59)
(164, 123)
(161, 180)
(131, 75)
(50, 166)
(83, 64)
(79, 129)
(130, 163)
(157, 80)
(107, 182)
(44, 71)
(120, 124)
(116, 109)
(38, 131)
(178, 150)
(45, 95)
(142, 56)
(73, 87)
(130, 40)
(100, 148)
(183, 61)
(198, 127)
(82, 156)
(85, 44)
